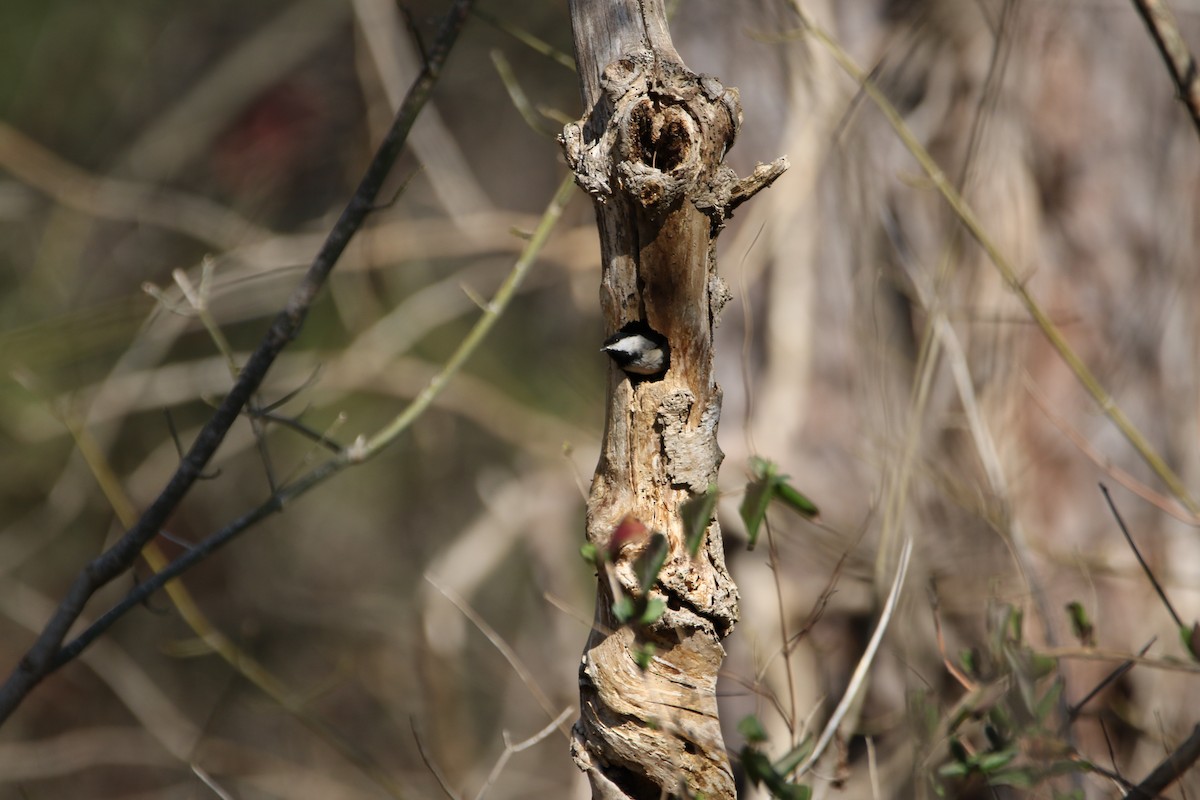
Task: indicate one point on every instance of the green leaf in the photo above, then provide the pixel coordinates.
(794, 757)
(757, 498)
(795, 500)
(990, 762)
(624, 609)
(696, 513)
(1023, 677)
(759, 770)
(589, 553)
(653, 610)
(969, 663)
(1081, 625)
(1042, 665)
(1016, 778)
(1016, 619)
(752, 729)
(757, 766)
(643, 655)
(1000, 718)
(650, 562)
(767, 485)
(761, 467)
(792, 791)
(1191, 639)
(1046, 706)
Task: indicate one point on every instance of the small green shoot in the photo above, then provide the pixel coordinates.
(759, 768)
(624, 608)
(768, 485)
(752, 729)
(642, 611)
(1015, 710)
(1081, 624)
(654, 609)
(791, 760)
(643, 654)
(761, 771)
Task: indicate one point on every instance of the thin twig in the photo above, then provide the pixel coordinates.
(483, 326)
(124, 201)
(873, 770)
(1145, 567)
(1114, 777)
(528, 39)
(793, 714)
(1119, 475)
(42, 657)
(504, 649)
(951, 667)
(511, 749)
(197, 298)
(1093, 654)
(434, 769)
(210, 783)
(1006, 269)
(1112, 755)
(213, 638)
(291, 395)
(864, 664)
(1073, 711)
(818, 607)
(517, 95)
(1170, 770)
(174, 433)
(1180, 64)
(299, 427)
(358, 453)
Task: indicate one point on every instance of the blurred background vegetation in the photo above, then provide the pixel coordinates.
(870, 350)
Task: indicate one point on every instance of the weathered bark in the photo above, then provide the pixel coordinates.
(649, 150)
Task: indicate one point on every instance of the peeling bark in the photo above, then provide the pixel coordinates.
(649, 151)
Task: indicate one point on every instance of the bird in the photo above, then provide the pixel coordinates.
(638, 349)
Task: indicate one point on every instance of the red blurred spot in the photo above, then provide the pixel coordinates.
(270, 141)
(630, 529)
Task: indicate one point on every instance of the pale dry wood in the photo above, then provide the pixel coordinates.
(650, 150)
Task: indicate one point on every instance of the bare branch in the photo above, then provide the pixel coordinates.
(44, 655)
(1180, 63)
(1170, 770)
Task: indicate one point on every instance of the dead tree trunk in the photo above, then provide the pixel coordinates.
(649, 150)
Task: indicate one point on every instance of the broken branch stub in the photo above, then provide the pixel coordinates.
(658, 132)
(651, 154)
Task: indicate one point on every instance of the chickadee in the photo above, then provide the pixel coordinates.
(639, 349)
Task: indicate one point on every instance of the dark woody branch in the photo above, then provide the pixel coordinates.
(46, 654)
